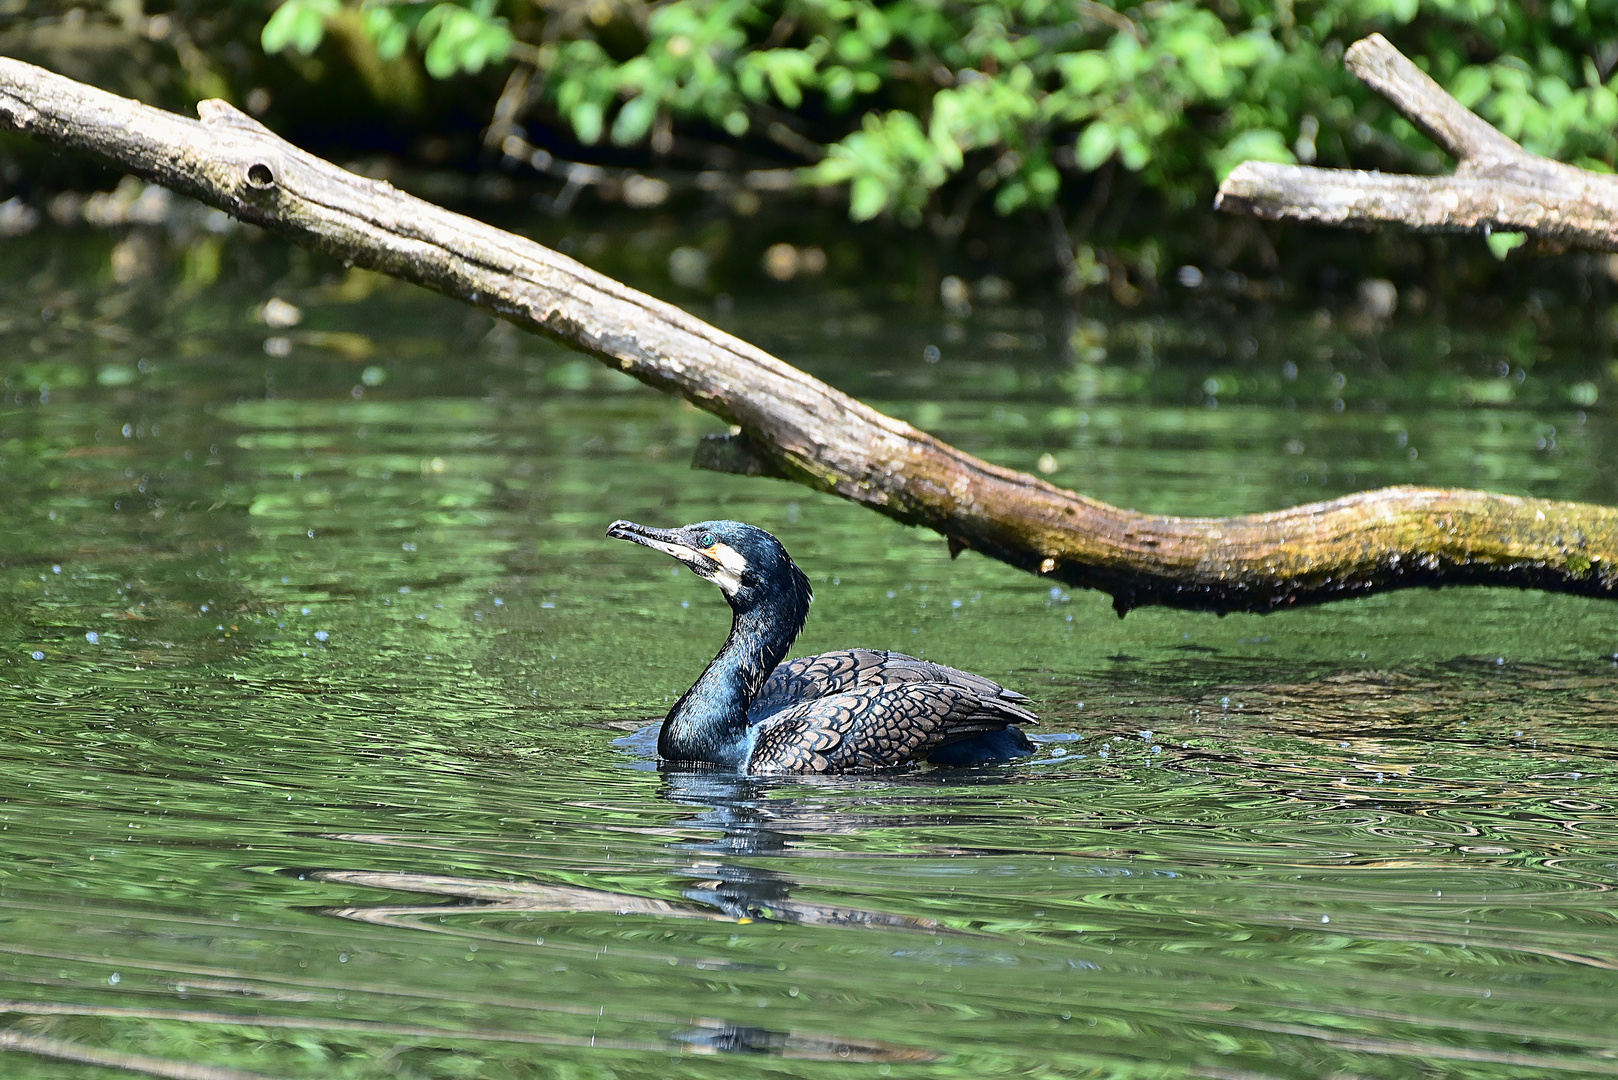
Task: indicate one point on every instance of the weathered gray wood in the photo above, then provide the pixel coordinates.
(799, 427)
(1497, 186)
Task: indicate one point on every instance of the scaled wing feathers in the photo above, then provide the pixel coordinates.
(812, 677)
(873, 727)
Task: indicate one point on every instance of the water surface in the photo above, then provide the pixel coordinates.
(324, 705)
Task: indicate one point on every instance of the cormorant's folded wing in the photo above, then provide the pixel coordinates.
(810, 677)
(874, 727)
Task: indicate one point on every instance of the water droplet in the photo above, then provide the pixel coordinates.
(37, 655)
(321, 635)
(1325, 918)
(93, 638)
(114, 979)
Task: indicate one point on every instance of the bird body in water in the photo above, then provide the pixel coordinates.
(846, 711)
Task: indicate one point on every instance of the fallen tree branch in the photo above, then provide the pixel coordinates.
(1497, 186)
(795, 426)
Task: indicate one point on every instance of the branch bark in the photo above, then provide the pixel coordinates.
(795, 426)
(1497, 186)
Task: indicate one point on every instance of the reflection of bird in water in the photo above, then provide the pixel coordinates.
(844, 711)
(742, 820)
(727, 874)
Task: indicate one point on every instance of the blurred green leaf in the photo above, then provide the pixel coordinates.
(1262, 144)
(634, 120)
(1096, 145)
(298, 23)
(1502, 244)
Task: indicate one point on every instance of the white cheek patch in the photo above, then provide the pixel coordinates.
(731, 565)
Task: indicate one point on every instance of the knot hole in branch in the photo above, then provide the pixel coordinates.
(260, 176)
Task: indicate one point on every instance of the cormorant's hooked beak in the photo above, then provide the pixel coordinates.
(668, 541)
(719, 562)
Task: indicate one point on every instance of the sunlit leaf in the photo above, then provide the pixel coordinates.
(1096, 145)
(1502, 244)
(634, 120)
(867, 199)
(298, 23)
(1263, 144)
(588, 118)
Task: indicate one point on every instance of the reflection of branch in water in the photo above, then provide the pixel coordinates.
(737, 818)
(502, 896)
(491, 897)
(741, 894)
(703, 1034)
(748, 823)
(62, 1050)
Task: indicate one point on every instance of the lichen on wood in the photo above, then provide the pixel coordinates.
(796, 426)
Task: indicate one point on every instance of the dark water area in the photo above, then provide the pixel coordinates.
(324, 705)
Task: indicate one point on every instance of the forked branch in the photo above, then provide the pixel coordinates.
(1497, 186)
(798, 427)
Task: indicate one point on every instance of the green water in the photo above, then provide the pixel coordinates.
(325, 706)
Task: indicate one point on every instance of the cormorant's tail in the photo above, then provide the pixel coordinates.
(1007, 744)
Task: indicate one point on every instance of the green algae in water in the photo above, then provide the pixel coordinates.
(324, 708)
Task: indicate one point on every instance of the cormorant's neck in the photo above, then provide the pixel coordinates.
(709, 723)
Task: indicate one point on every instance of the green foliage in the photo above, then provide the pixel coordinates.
(1502, 244)
(453, 37)
(1011, 99)
(300, 24)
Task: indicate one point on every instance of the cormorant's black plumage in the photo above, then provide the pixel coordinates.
(844, 711)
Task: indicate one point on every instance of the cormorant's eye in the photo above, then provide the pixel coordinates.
(706, 541)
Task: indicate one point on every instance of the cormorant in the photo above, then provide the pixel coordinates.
(846, 711)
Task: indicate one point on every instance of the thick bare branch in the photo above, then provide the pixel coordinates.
(1468, 137)
(1465, 202)
(1497, 185)
(798, 427)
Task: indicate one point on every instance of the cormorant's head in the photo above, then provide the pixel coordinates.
(748, 564)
